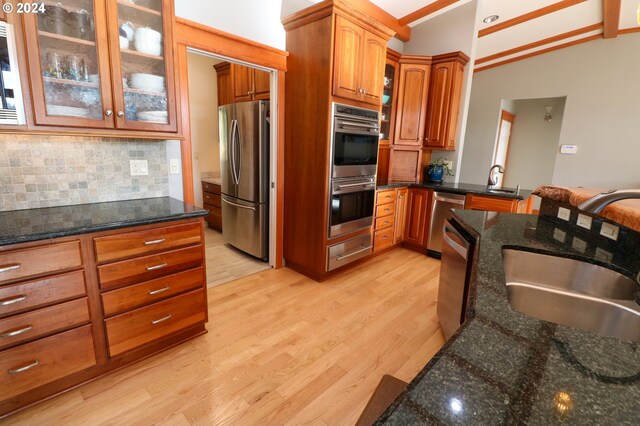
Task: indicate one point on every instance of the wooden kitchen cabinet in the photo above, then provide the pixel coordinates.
(498, 204)
(412, 101)
(416, 234)
(359, 60)
(82, 76)
(225, 92)
(443, 108)
(249, 84)
(212, 200)
(401, 215)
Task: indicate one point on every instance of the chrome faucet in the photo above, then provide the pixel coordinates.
(597, 203)
(493, 179)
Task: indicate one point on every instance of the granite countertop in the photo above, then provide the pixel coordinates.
(503, 367)
(20, 226)
(458, 188)
(213, 180)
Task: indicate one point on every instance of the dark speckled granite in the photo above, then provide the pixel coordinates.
(458, 188)
(39, 224)
(503, 367)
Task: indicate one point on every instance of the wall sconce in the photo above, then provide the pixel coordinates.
(547, 116)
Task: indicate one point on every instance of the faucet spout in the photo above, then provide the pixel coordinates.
(598, 202)
(493, 178)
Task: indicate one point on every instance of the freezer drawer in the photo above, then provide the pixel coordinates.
(348, 251)
(244, 226)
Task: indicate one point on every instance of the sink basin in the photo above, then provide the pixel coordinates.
(573, 293)
(501, 191)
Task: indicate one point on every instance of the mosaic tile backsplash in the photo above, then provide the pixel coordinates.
(45, 171)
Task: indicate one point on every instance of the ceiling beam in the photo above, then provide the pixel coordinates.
(611, 13)
(403, 31)
(425, 11)
(528, 16)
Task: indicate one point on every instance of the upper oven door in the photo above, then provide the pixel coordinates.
(355, 147)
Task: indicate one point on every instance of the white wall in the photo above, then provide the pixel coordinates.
(257, 20)
(450, 32)
(203, 111)
(601, 82)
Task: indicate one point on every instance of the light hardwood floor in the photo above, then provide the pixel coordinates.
(281, 349)
(225, 263)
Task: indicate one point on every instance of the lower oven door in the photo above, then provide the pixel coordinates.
(351, 206)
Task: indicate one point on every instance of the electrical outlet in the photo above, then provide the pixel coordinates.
(564, 214)
(559, 235)
(174, 166)
(579, 245)
(603, 255)
(609, 231)
(449, 164)
(584, 221)
(139, 167)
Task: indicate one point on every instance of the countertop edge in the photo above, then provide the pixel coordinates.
(436, 187)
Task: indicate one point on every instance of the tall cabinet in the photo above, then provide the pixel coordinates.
(336, 54)
(103, 64)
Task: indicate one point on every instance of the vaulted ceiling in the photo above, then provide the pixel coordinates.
(526, 28)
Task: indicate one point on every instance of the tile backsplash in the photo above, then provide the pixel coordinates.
(45, 171)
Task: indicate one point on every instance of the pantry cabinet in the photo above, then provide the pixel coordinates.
(359, 60)
(412, 101)
(239, 83)
(97, 64)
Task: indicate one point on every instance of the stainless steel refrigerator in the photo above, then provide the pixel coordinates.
(244, 168)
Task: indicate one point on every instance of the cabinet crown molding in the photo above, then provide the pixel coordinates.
(460, 57)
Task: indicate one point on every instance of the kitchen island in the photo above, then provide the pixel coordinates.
(503, 367)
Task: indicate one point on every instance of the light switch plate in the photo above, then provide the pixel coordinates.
(584, 221)
(139, 167)
(609, 231)
(579, 245)
(564, 214)
(174, 166)
(603, 255)
(559, 235)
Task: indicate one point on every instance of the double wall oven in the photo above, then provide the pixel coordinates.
(354, 159)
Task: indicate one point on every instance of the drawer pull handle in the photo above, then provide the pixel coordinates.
(11, 301)
(387, 196)
(386, 222)
(11, 267)
(387, 210)
(16, 332)
(385, 237)
(163, 319)
(158, 291)
(160, 266)
(24, 368)
(152, 242)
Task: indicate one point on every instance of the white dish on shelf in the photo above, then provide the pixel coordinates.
(124, 43)
(147, 35)
(148, 82)
(68, 110)
(154, 49)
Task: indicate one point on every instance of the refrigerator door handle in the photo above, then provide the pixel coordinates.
(232, 151)
(239, 205)
(238, 153)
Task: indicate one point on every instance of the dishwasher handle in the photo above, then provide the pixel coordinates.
(449, 200)
(450, 235)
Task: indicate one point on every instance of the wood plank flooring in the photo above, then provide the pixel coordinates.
(225, 263)
(281, 350)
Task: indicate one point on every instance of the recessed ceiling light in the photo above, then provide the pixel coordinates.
(490, 19)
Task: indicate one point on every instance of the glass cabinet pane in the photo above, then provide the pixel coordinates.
(141, 38)
(69, 59)
(387, 101)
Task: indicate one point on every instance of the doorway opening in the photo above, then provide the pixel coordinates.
(234, 159)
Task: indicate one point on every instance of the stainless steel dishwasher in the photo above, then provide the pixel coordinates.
(455, 270)
(442, 202)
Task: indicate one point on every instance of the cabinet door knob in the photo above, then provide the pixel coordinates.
(108, 113)
(120, 114)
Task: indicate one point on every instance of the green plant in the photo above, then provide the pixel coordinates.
(442, 162)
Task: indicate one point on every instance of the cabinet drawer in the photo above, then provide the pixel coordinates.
(116, 301)
(383, 239)
(385, 210)
(39, 260)
(215, 216)
(144, 325)
(384, 197)
(384, 222)
(212, 199)
(130, 244)
(31, 294)
(211, 187)
(493, 204)
(37, 363)
(19, 328)
(148, 267)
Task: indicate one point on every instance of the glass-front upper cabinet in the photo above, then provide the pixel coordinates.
(388, 100)
(142, 64)
(103, 64)
(69, 64)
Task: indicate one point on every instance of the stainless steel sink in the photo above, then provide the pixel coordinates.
(574, 293)
(501, 191)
